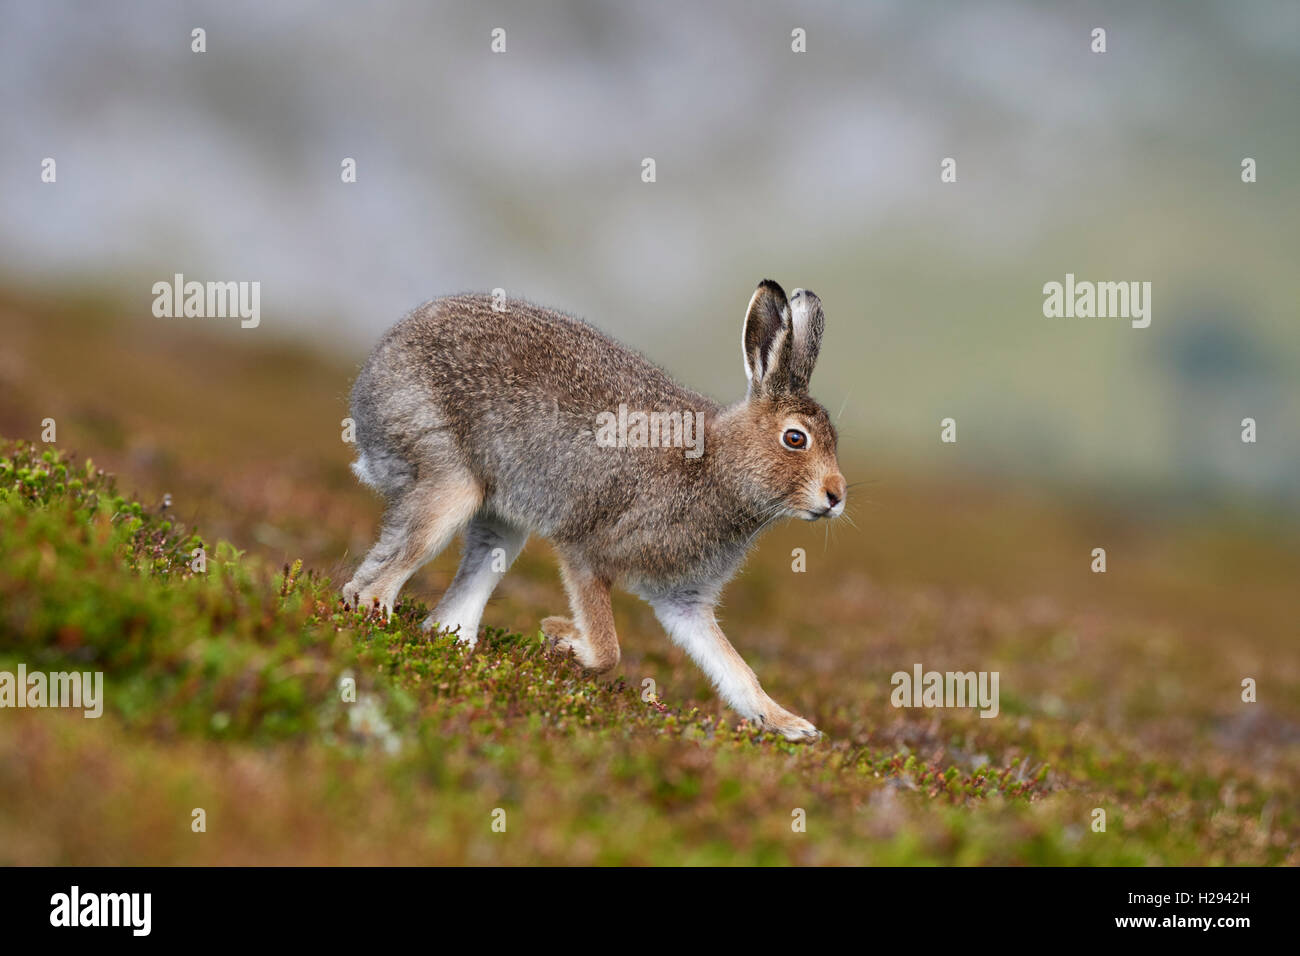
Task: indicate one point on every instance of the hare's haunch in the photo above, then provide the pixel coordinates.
(500, 419)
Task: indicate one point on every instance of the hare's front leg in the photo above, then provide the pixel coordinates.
(590, 635)
(693, 627)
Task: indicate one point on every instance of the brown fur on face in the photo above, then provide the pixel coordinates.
(796, 478)
(477, 415)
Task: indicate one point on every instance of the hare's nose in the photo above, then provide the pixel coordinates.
(834, 489)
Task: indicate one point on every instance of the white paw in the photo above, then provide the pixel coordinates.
(369, 601)
(463, 632)
(788, 725)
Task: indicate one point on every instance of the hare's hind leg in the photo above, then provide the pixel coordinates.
(416, 527)
(491, 546)
(590, 636)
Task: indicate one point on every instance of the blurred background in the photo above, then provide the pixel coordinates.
(522, 170)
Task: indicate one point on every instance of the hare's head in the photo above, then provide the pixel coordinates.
(782, 439)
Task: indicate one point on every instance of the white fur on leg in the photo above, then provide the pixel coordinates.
(461, 608)
(693, 629)
(462, 617)
(693, 626)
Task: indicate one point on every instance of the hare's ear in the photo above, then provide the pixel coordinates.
(808, 322)
(766, 340)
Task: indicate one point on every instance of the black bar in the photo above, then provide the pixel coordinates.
(218, 906)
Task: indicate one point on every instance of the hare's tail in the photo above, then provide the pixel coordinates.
(387, 473)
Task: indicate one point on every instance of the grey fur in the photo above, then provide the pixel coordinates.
(495, 413)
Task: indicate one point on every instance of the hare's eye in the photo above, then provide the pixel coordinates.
(795, 439)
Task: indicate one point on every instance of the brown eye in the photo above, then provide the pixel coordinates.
(795, 439)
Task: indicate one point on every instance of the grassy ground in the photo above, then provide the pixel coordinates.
(1119, 691)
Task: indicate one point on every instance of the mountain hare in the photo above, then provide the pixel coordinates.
(501, 422)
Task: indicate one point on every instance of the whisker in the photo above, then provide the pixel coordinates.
(764, 516)
(843, 405)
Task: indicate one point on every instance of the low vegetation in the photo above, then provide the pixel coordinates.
(308, 732)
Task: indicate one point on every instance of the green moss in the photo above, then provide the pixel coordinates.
(225, 690)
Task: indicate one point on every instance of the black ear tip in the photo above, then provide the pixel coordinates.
(771, 285)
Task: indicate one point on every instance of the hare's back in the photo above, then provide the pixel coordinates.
(517, 394)
(478, 359)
